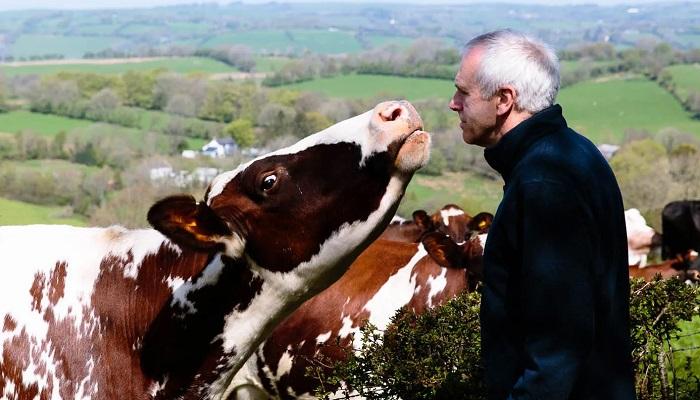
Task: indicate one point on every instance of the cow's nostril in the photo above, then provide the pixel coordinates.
(391, 114)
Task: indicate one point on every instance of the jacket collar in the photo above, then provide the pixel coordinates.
(505, 154)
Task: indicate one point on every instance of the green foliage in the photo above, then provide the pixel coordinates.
(138, 88)
(656, 309)
(241, 130)
(436, 355)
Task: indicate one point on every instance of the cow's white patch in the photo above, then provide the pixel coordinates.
(397, 220)
(210, 275)
(437, 285)
(156, 386)
(323, 338)
(450, 212)
(639, 237)
(395, 293)
(347, 328)
(482, 241)
(284, 366)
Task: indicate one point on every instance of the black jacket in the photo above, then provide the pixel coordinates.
(555, 306)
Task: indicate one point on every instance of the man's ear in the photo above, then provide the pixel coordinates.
(188, 223)
(506, 99)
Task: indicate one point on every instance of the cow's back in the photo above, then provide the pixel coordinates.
(48, 295)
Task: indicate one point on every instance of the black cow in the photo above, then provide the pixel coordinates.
(681, 228)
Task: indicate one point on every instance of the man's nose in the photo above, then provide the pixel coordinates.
(455, 106)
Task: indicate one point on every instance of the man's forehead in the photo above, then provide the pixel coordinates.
(467, 66)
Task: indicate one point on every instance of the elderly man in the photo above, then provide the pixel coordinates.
(555, 306)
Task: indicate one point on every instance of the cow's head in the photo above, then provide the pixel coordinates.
(315, 203)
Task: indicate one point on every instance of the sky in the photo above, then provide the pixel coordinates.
(96, 4)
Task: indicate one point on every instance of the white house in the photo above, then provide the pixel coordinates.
(218, 148)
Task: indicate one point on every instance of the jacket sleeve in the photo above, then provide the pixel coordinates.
(556, 299)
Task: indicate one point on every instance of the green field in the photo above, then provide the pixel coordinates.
(19, 213)
(689, 344)
(275, 41)
(183, 65)
(368, 86)
(603, 110)
(68, 46)
(686, 78)
(468, 190)
(44, 124)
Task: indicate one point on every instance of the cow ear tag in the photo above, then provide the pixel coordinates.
(188, 223)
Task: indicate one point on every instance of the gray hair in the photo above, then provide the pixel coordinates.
(527, 64)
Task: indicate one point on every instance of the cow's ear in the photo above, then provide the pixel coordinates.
(481, 222)
(189, 223)
(422, 221)
(473, 254)
(443, 250)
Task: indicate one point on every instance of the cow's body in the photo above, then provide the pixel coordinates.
(681, 228)
(108, 313)
(387, 276)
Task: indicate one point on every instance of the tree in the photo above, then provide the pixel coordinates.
(139, 87)
(643, 172)
(102, 104)
(241, 130)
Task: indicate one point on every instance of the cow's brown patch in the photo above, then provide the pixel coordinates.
(57, 282)
(9, 324)
(37, 290)
(17, 357)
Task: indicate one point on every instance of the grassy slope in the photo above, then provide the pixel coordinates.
(360, 86)
(182, 65)
(465, 189)
(602, 110)
(18, 213)
(44, 124)
(686, 78)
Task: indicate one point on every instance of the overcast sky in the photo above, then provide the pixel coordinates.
(84, 4)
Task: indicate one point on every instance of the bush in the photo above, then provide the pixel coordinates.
(436, 355)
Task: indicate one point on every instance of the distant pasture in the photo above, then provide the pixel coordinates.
(183, 65)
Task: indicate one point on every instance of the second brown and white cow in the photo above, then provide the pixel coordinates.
(110, 313)
(388, 275)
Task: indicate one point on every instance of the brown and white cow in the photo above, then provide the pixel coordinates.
(110, 313)
(388, 275)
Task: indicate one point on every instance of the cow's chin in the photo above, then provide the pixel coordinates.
(414, 152)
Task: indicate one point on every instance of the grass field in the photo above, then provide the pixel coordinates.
(469, 191)
(68, 46)
(686, 78)
(44, 124)
(266, 41)
(690, 340)
(19, 213)
(181, 65)
(362, 86)
(603, 110)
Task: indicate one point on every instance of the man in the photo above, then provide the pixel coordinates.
(555, 305)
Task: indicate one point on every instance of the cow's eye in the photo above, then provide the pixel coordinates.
(268, 182)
